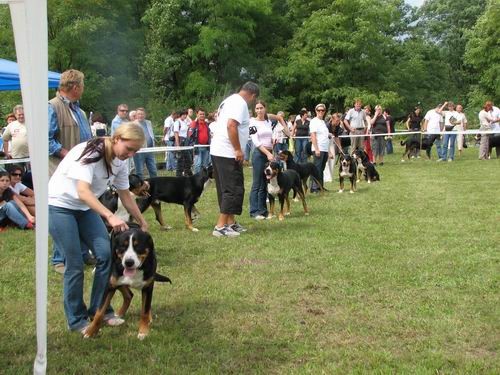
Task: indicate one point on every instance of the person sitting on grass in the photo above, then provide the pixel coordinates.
(24, 193)
(11, 206)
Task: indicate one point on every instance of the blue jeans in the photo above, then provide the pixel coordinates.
(449, 138)
(320, 163)
(170, 158)
(435, 139)
(201, 158)
(248, 150)
(12, 211)
(258, 193)
(388, 147)
(66, 228)
(300, 150)
(149, 159)
(280, 147)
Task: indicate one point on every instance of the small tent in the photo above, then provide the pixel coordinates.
(9, 76)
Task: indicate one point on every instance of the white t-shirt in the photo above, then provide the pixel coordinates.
(169, 121)
(462, 120)
(62, 184)
(233, 107)
(17, 134)
(278, 133)
(484, 119)
(182, 127)
(18, 188)
(261, 133)
(433, 119)
(448, 115)
(319, 127)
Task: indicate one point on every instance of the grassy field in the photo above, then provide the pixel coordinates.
(401, 277)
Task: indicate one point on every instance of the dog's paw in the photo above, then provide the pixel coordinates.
(403, 160)
(195, 229)
(287, 213)
(269, 217)
(166, 227)
(341, 191)
(281, 218)
(141, 336)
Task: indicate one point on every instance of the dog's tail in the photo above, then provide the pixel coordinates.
(162, 279)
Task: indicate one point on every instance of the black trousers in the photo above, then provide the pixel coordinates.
(228, 174)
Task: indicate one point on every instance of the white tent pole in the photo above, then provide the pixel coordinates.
(29, 21)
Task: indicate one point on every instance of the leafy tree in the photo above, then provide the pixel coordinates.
(199, 49)
(445, 23)
(483, 54)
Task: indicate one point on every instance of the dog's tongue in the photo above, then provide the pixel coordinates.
(129, 272)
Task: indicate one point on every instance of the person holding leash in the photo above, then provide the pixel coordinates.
(75, 214)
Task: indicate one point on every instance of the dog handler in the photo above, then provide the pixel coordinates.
(75, 215)
(230, 137)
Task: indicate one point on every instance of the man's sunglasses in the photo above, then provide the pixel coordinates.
(16, 174)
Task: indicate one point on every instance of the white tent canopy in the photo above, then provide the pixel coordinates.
(29, 21)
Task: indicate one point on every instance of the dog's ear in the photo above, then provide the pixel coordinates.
(150, 243)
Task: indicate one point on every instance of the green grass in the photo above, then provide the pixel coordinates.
(401, 277)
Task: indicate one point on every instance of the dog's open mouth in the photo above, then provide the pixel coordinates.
(129, 272)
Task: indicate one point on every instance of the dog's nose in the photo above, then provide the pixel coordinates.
(129, 263)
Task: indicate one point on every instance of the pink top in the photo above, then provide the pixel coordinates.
(261, 133)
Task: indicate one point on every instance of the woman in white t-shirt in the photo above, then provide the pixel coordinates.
(486, 121)
(261, 134)
(75, 214)
(320, 143)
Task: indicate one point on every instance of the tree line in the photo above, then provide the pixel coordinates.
(169, 54)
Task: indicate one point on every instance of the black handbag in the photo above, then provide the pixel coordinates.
(449, 128)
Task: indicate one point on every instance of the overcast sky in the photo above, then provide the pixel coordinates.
(414, 2)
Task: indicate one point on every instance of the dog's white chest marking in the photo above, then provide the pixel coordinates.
(273, 187)
(136, 281)
(345, 172)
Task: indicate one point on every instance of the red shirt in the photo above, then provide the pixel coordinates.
(203, 135)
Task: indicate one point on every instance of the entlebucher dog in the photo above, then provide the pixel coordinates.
(365, 166)
(185, 190)
(279, 183)
(137, 187)
(305, 170)
(133, 266)
(347, 168)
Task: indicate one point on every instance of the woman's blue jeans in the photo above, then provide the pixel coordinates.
(300, 150)
(258, 193)
(67, 227)
(449, 138)
(12, 211)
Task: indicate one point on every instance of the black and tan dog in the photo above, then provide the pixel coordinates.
(185, 190)
(414, 143)
(305, 170)
(365, 167)
(279, 184)
(133, 266)
(138, 188)
(347, 169)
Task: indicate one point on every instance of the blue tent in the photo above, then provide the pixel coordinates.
(9, 76)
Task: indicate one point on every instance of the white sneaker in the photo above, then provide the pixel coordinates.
(259, 217)
(230, 232)
(450, 160)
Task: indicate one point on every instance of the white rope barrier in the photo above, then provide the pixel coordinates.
(187, 148)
